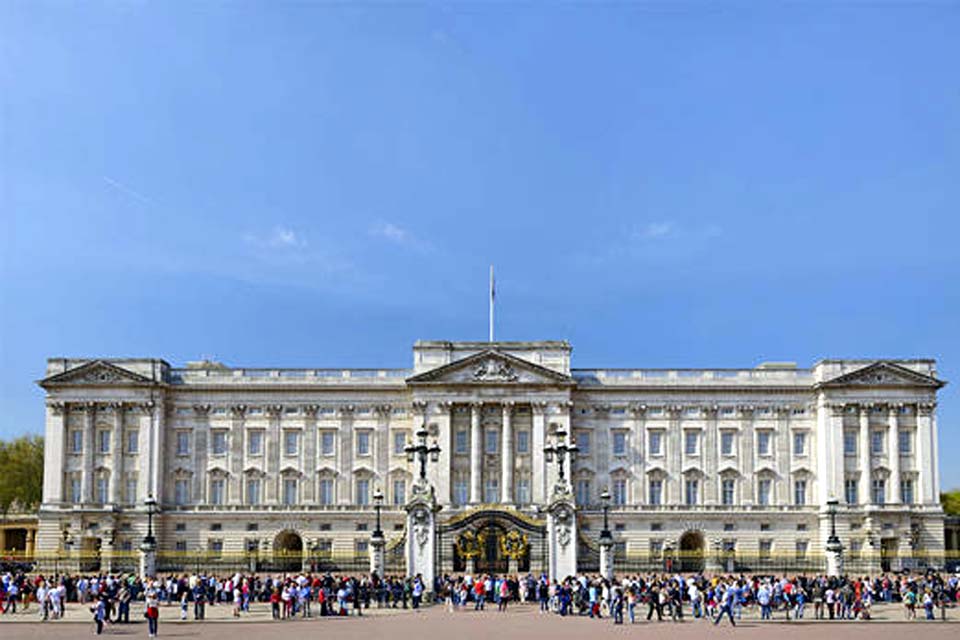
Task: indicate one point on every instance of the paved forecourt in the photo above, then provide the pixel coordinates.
(520, 623)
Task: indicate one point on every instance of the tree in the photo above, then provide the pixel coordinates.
(951, 502)
(21, 473)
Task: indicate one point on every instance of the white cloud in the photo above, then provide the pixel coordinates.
(277, 238)
(656, 230)
(392, 232)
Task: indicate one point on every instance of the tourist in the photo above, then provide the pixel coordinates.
(152, 609)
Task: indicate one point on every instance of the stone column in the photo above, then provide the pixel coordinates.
(863, 453)
(538, 474)
(506, 455)
(273, 448)
(710, 458)
(925, 463)
(345, 461)
(638, 458)
(748, 453)
(893, 453)
(156, 452)
(53, 452)
(673, 487)
(476, 451)
(116, 471)
(89, 446)
(421, 539)
(444, 467)
(309, 444)
(201, 434)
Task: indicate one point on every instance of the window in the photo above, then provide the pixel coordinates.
(799, 492)
(76, 441)
(583, 443)
(75, 494)
(904, 443)
(656, 526)
(399, 492)
(619, 443)
(491, 491)
(255, 443)
(183, 443)
(619, 492)
(130, 491)
(181, 491)
(656, 440)
(363, 443)
(217, 488)
(102, 490)
(363, 491)
(360, 546)
(460, 491)
(906, 491)
(583, 491)
(326, 491)
(802, 549)
(219, 443)
(876, 442)
(765, 549)
(133, 441)
(799, 444)
(326, 443)
(879, 491)
(764, 526)
(291, 440)
(103, 441)
(729, 526)
(523, 491)
(253, 491)
(491, 441)
(523, 442)
(763, 491)
(851, 491)
(656, 549)
(763, 443)
(850, 443)
(691, 492)
(181, 545)
(399, 442)
(290, 491)
(727, 490)
(690, 443)
(656, 492)
(726, 443)
(460, 444)
(215, 547)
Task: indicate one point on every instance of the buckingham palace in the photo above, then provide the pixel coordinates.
(514, 457)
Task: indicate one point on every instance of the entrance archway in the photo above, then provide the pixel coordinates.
(691, 552)
(288, 551)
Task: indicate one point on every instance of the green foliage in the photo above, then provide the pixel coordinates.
(951, 502)
(21, 473)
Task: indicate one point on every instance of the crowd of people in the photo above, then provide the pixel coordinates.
(633, 598)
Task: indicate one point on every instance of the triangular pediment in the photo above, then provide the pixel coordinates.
(884, 374)
(491, 367)
(96, 372)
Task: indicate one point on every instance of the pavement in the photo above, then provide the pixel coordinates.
(520, 622)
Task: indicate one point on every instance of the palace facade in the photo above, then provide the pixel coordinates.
(723, 467)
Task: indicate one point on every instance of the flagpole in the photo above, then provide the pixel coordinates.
(492, 297)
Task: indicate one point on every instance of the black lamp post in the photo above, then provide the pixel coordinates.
(151, 503)
(605, 501)
(832, 503)
(378, 504)
(560, 448)
(421, 451)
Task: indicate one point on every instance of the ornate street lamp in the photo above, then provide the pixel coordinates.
(832, 512)
(605, 501)
(378, 504)
(421, 451)
(151, 503)
(560, 448)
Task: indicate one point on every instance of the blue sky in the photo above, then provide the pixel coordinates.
(301, 184)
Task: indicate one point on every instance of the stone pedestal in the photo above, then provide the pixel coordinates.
(562, 534)
(377, 544)
(421, 547)
(148, 560)
(834, 553)
(513, 566)
(606, 558)
(471, 566)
